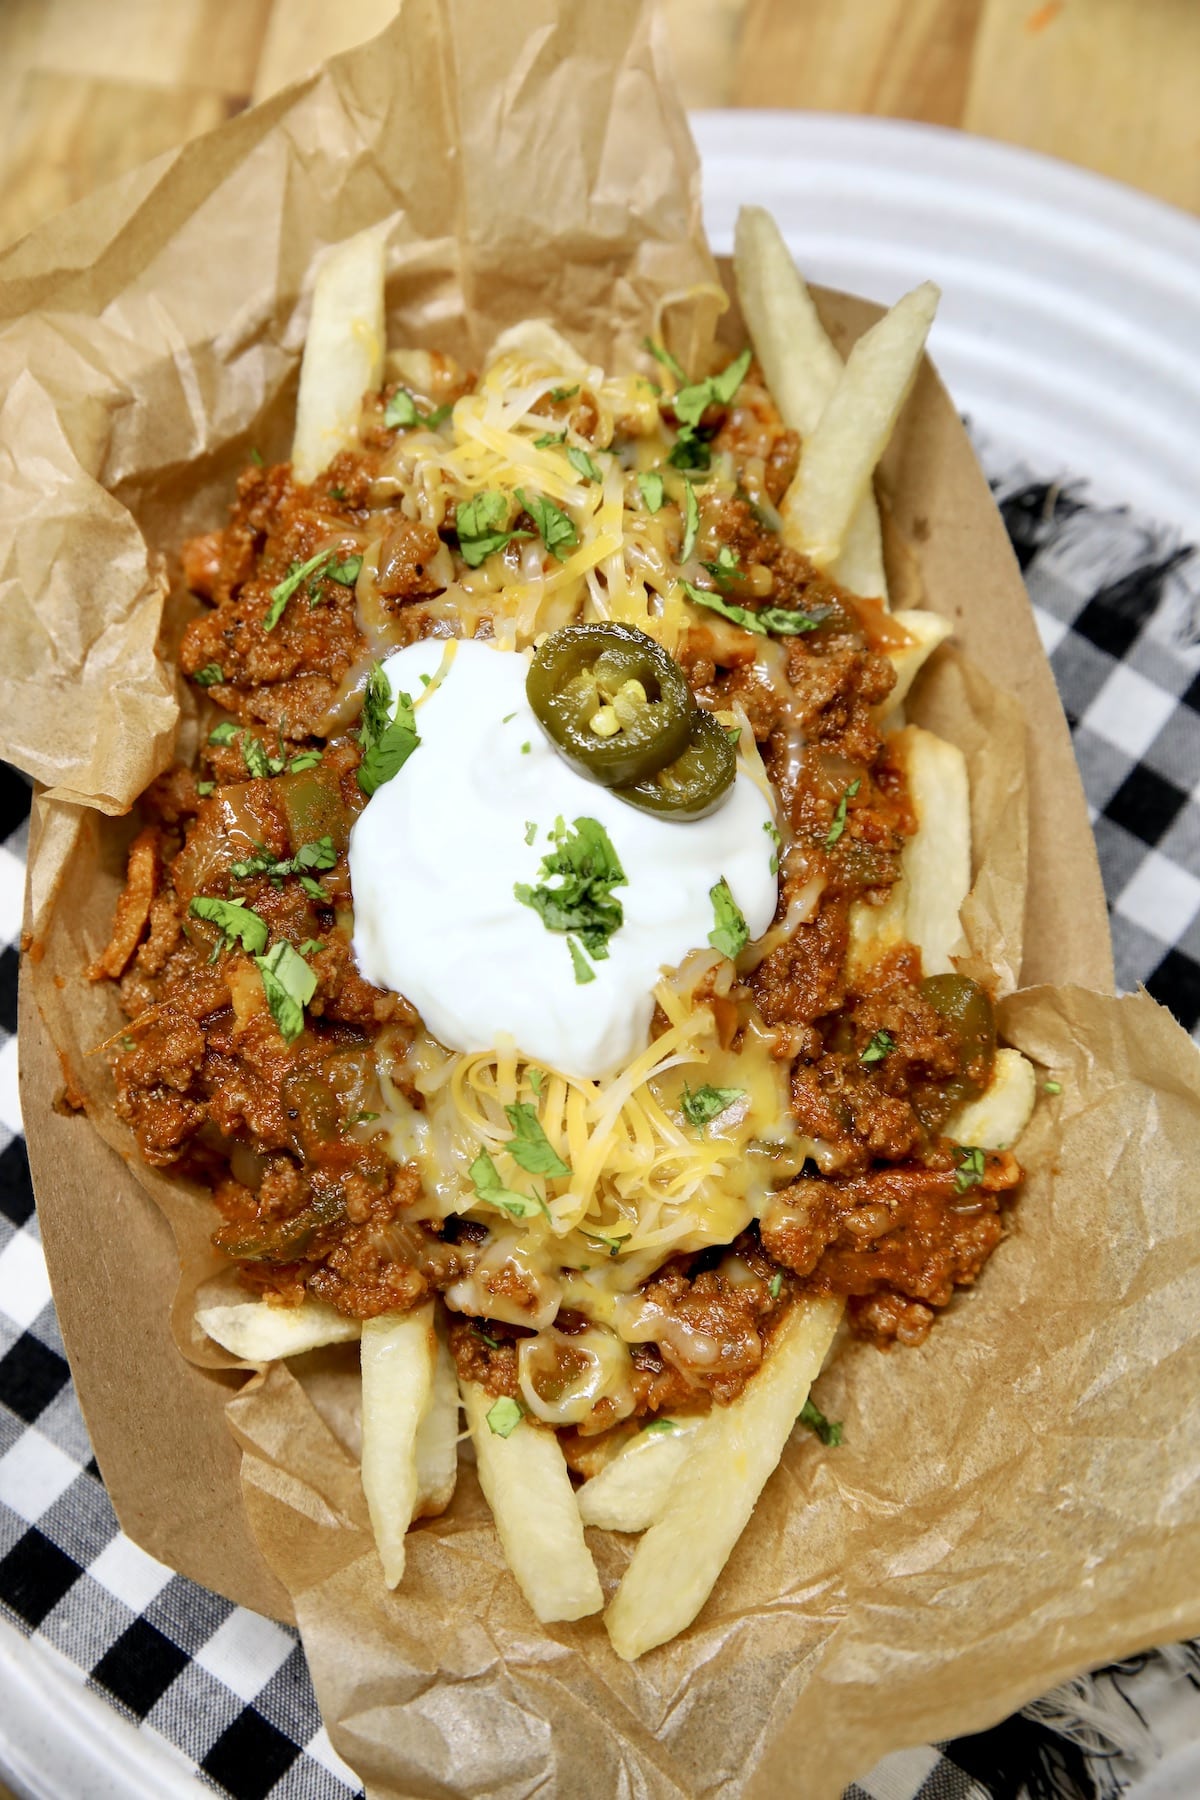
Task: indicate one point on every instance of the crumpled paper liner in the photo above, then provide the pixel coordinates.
(1013, 1501)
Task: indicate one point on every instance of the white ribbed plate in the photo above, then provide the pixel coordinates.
(1069, 325)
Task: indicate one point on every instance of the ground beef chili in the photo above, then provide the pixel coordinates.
(308, 1202)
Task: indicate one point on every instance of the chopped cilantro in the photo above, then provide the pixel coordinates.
(482, 526)
(126, 1042)
(660, 1425)
(254, 756)
(781, 621)
(727, 567)
(772, 832)
(584, 971)
(287, 587)
(611, 1244)
(363, 1118)
(691, 516)
(661, 354)
(320, 855)
(491, 1342)
(401, 410)
(547, 438)
(224, 733)
(881, 1045)
(776, 1287)
(689, 450)
(439, 415)
(587, 869)
(256, 457)
(526, 747)
(582, 463)
(337, 493)
(536, 1081)
(729, 935)
(205, 788)
(387, 740)
(345, 572)
(485, 1179)
(530, 830)
(209, 675)
(235, 919)
(310, 946)
(529, 1144)
(650, 486)
(555, 527)
(690, 403)
(970, 1169)
(504, 1417)
(1052, 1087)
(828, 1430)
(839, 818)
(289, 984)
(564, 393)
(305, 759)
(703, 1105)
(508, 718)
(314, 890)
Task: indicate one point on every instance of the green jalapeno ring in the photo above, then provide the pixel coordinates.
(611, 700)
(696, 782)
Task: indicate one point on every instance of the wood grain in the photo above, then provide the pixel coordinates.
(89, 88)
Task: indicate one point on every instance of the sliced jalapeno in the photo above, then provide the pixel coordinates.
(695, 782)
(965, 1005)
(612, 700)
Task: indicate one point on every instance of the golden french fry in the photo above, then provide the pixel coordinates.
(629, 1492)
(258, 1332)
(343, 352)
(525, 1481)
(853, 431)
(437, 1439)
(398, 1352)
(937, 859)
(678, 1560)
(927, 630)
(998, 1117)
(802, 368)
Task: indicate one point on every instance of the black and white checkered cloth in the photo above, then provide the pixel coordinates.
(1118, 604)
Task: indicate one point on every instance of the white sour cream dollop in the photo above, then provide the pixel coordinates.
(436, 853)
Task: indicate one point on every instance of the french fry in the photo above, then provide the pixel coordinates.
(927, 630)
(997, 1118)
(258, 1332)
(525, 1481)
(679, 1559)
(853, 431)
(802, 369)
(343, 352)
(629, 1492)
(437, 1438)
(398, 1353)
(937, 860)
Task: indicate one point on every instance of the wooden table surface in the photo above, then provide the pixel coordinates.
(88, 88)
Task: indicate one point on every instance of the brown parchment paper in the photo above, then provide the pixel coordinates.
(1015, 1500)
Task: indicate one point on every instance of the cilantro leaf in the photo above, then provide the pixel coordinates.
(225, 732)
(547, 438)
(209, 676)
(318, 855)
(387, 741)
(235, 919)
(779, 620)
(691, 516)
(729, 935)
(587, 869)
(482, 526)
(256, 457)
(529, 1144)
(828, 1430)
(254, 756)
(727, 567)
(689, 451)
(555, 527)
(485, 1179)
(650, 486)
(584, 971)
(776, 1287)
(564, 393)
(690, 403)
(401, 410)
(703, 1105)
(306, 759)
(772, 832)
(881, 1045)
(611, 1244)
(205, 788)
(439, 415)
(314, 890)
(971, 1167)
(289, 984)
(309, 947)
(661, 354)
(504, 1417)
(345, 572)
(582, 463)
(287, 587)
(536, 1080)
(660, 1425)
(839, 818)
